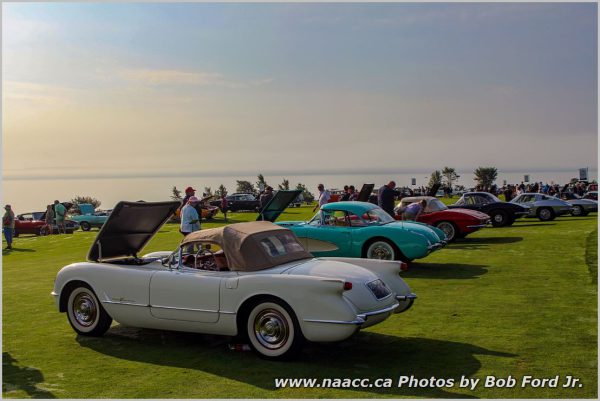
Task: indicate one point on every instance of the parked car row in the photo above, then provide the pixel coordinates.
(274, 286)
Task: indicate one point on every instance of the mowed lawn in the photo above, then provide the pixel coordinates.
(510, 301)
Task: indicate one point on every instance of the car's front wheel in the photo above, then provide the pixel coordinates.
(85, 313)
(449, 229)
(578, 211)
(85, 226)
(545, 214)
(273, 330)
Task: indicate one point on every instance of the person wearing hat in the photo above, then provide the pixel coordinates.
(266, 197)
(189, 192)
(190, 220)
(8, 225)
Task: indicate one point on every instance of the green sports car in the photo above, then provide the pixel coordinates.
(364, 230)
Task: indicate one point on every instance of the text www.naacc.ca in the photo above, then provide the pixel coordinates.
(333, 383)
(471, 383)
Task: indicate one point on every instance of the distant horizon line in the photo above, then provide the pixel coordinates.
(283, 173)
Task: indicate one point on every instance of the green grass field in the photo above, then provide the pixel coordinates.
(510, 301)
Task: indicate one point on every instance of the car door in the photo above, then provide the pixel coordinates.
(186, 294)
(329, 234)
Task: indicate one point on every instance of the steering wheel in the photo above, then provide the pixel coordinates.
(209, 264)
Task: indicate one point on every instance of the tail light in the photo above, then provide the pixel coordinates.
(403, 266)
(347, 285)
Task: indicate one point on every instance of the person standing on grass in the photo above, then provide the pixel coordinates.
(324, 196)
(189, 192)
(8, 225)
(49, 220)
(190, 220)
(385, 197)
(266, 197)
(60, 211)
(224, 205)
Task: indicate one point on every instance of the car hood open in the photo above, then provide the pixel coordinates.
(129, 228)
(278, 203)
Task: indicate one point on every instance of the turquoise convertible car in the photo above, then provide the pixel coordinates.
(89, 217)
(364, 230)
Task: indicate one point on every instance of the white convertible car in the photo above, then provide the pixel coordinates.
(253, 280)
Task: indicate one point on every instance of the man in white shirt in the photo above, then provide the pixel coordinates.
(190, 221)
(324, 196)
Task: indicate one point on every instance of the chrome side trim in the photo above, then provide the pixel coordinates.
(184, 309)
(477, 226)
(124, 303)
(357, 321)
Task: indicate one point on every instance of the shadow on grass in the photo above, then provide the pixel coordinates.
(483, 243)
(444, 270)
(532, 224)
(15, 377)
(366, 355)
(14, 249)
(489, 240)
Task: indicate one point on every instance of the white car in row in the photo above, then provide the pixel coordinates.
(253, 280)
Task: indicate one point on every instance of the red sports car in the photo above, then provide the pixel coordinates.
(27, 223)
(455, 223)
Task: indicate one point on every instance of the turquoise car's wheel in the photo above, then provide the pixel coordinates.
(381, 249)
(273, 330)
(85, 226)
(85, 313)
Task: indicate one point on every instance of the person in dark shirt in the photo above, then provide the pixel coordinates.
(266, 197)
(346, 195)
(385, 197)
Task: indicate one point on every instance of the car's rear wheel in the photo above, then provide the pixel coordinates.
(448, 228)
(43, 231)
(499, 218)
(85, 313)
(273, 330)
(85, 226)
(545, 214)
(383, 250)
(578, 211)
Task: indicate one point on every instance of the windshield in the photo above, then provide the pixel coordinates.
(377, 216)
(435, 205)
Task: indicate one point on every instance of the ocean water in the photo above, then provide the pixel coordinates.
(26, 195)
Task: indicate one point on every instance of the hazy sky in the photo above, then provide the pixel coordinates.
(128, 89)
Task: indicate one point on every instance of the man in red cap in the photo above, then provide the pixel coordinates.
(189, 192)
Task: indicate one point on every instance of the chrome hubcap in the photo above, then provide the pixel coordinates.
(447, 229)
(380, 250)
(84, 310)
(577, 211)
(498, 218)
(271, 329)
(544, 214)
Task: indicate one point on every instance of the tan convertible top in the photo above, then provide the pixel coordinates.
(241, 243)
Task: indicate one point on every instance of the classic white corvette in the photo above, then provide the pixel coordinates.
(253, 280)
